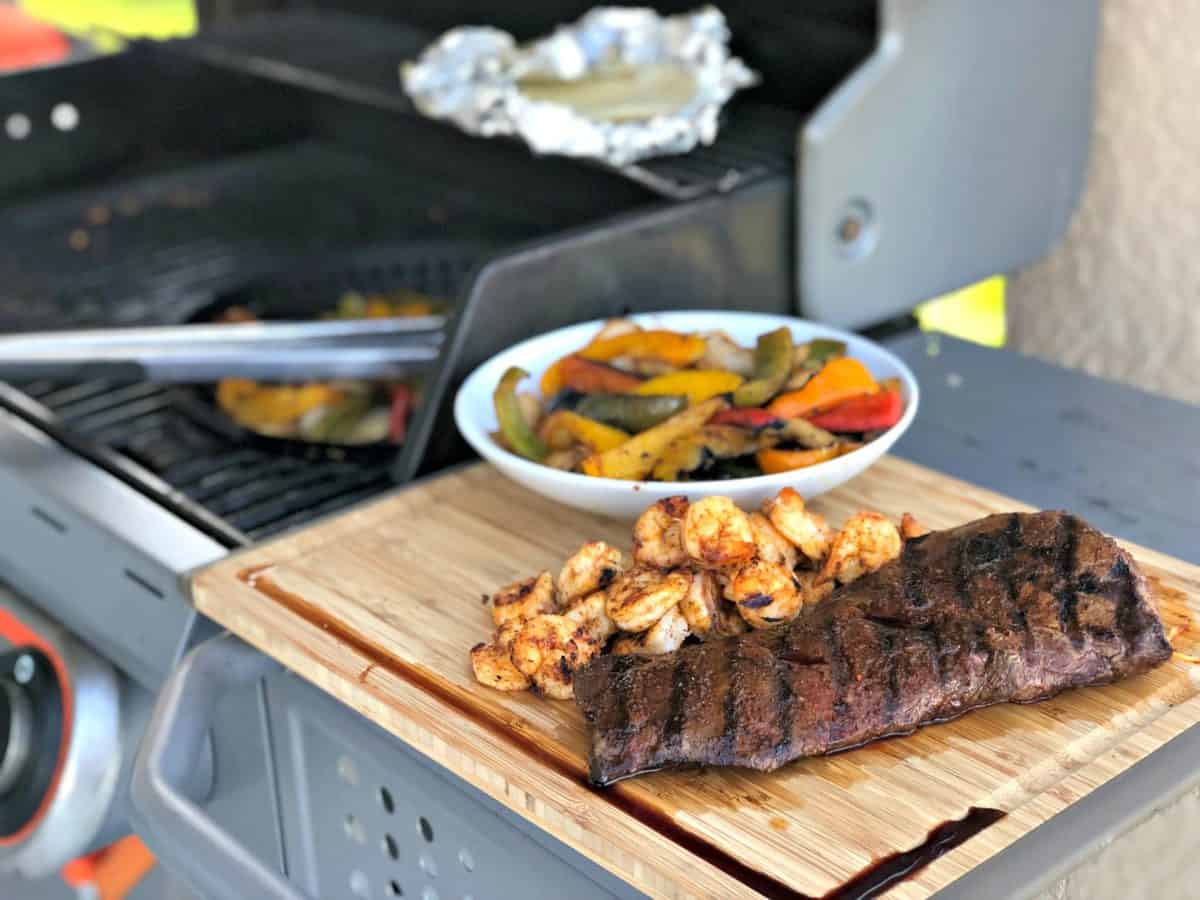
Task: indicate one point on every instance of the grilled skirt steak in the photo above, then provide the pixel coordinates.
(1011, 607)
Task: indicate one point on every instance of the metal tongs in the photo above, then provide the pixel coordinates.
(264, 351)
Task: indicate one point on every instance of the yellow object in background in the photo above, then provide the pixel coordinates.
(106, 22)
(974, 313)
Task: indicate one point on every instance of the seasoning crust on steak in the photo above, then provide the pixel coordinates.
(1011, 607)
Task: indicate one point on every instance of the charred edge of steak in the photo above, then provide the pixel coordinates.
(1009, 608)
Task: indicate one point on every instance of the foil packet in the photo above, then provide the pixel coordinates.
(620, 85)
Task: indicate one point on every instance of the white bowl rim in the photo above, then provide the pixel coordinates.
(483, 444)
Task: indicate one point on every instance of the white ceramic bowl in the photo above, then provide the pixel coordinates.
(476, 418)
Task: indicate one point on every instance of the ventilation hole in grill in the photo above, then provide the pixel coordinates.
(354, 830)
(143, 583)
(391, 847)
(428, 865)
(386, 801)
(467, 860)
(42, 515)
(394, 889)
(426, 829)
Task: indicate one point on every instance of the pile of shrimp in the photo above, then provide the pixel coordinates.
(704, 569)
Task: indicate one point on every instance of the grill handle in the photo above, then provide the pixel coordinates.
(188, 841)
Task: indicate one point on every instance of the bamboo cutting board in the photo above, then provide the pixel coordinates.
(379, 607)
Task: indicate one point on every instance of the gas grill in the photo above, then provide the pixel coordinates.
(277, 154)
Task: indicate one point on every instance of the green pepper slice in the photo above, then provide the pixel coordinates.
(772, 365)
(631, 412)
(822, 350)
(517, 433)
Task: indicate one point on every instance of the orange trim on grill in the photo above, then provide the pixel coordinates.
(19, 634)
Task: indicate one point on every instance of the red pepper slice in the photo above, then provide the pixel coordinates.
(402, 398)
(745, 417)
(869, 412)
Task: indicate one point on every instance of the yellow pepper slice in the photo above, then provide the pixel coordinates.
(635, 459)
(563, 428)
(669, 346)
(772, 461)
(697, 384)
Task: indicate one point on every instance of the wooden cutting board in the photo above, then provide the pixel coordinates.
(379, 607)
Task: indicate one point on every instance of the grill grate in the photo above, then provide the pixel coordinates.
(256, 492)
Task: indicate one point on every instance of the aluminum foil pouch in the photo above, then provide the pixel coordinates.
(619, 85)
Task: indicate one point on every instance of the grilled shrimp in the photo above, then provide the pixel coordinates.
(773, 547)
(717, 534)
(700, 607)
(807, 530)
(493, 663)
(664, 636)
(590, 612)
(911, 528)
(548, 649)
(524, 599)
(592, 568)
(865, 543)
(765, 594)
(813, 587)
(658, 534)
(642, 596)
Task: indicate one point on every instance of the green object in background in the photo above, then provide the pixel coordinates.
(106, 23)
(974, 313)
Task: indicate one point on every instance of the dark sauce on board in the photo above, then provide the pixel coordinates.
(881, 875)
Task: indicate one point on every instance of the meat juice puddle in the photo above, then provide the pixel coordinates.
(872, 881)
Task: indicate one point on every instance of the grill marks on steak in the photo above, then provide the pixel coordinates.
(1011, 607)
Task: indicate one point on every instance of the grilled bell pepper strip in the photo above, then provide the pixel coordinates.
(635, 459)
(821, 351)
(712, 442)
(697, 385)
(402, 403)
(867, 413)
(750, 417)
(669, 346)
(513, 426)
(340, 419)
(630, 412)
(839, 380)
(563, 428)
(772, 460)
(594, 377)
(772, 365)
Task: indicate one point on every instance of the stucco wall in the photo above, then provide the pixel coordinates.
(1120, 297)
